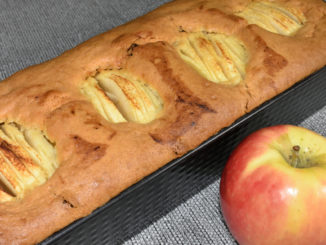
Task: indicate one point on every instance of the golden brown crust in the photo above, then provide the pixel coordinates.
(99, 159)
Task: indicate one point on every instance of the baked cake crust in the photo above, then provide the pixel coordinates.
(99, 159)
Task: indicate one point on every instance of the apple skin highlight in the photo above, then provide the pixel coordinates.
(265, 200)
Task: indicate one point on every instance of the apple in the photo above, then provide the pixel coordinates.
(273, 188)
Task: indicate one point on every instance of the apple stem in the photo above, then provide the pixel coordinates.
(296, 160)
(295, 156)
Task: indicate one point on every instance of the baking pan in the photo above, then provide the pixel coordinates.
(150, 199)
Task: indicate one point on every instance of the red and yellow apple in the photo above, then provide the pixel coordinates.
(273, 188)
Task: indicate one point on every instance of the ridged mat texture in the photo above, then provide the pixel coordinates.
(180, 203)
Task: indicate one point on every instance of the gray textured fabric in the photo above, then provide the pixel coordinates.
(197, 221)
(34, 31)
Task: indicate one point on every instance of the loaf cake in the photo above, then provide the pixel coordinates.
(77, 130)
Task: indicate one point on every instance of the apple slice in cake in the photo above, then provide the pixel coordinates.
(27, 159)
(119, 97)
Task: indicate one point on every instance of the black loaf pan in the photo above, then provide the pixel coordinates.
(153, 197)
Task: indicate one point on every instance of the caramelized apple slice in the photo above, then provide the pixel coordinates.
(23, 150)
(9, 178)
(273, 17)
(101, 101)
(27, 159)
(217, 57)
(133, 98)
(5, 195)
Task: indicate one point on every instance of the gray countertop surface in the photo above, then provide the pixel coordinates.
(32, 32)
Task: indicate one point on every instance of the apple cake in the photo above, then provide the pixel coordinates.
(77, 130)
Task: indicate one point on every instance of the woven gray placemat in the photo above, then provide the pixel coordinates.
(34, 31)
